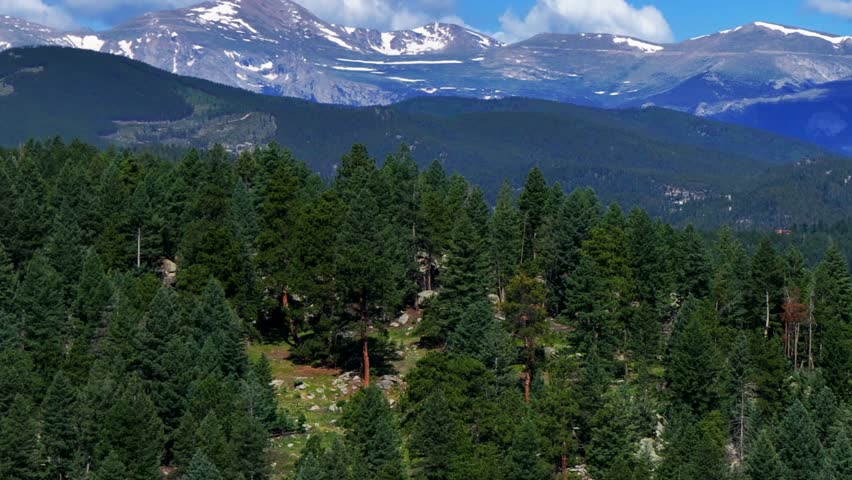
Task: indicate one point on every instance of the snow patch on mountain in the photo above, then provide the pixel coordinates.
(252, 68)
(645, 47)
(406, 80)
(806, 33)
(86, 42)
(126, 48)
(354, 69)
(402, 62)
(224, 14)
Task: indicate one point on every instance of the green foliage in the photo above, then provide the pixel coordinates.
(202, 469)
(695, 365)
(373, 437)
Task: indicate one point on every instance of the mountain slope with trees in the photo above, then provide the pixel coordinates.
(559, 337)
(672, 164)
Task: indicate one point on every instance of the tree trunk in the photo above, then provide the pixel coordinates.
(742, 425)
(285, 308)
(796, 347)
(366, 353)
(429, 272)
(766, 329)
(139, 247)
(564, 461)
(811, 333)
(527, 385)
(365, 339)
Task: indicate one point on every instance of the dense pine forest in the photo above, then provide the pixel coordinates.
(559, 338)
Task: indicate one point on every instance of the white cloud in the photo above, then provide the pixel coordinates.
(380, 14)
(38, 12)
(592, 16)
(841, 8)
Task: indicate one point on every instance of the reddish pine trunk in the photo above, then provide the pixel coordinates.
(285, 305)
(527, 385)
(365, 339)
(564, 462)
(366, 361)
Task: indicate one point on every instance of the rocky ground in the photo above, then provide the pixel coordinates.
(320, 394)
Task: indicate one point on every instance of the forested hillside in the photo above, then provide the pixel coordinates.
(548, 337)
(680, 167)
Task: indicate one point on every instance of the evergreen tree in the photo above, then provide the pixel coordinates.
(373, 437)
(763, 463)
(8, 280)
(263, 404)
(524, 456)
(480, 335)
(525, 313)
(19, 448)
(112, 468)
(695, 366)
(505, 231)
(132, 430)
(58, 430)
(798, 444)
(438, 440)
(533, 204)
(202, 469)
(838, 463)
(363, 272)
(833, 314)
(765, 288)
(40, 303)
(466, 280)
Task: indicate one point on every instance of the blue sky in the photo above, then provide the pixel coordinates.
(509, 20)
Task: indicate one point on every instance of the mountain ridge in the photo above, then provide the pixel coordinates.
(277, 47)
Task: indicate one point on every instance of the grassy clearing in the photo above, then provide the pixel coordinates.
(311, 391)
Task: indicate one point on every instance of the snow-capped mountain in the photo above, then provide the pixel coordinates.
(278, 47)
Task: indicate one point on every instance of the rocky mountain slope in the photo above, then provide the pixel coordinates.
(277, 47)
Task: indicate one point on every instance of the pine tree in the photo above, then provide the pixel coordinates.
(112, 468)
(525, 313)
(505, 239)
(524, 456)
(480, 335)
(465, 281)
(798, 444)
(132, 430)
(373, 437)
(93, 293)
(263, 404)
(615, 432)
(765, 289)
(363, 272)
(763, 462)
(8, 280)
(19, 449)
(833, 314)
(695, 366)
(201, 469)
(216, 323)
(248, 441)
(557, 409)
(532, 203)
(58, 431)
(40, 303)
(438, 441)
(212, 442)
(838, 463)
